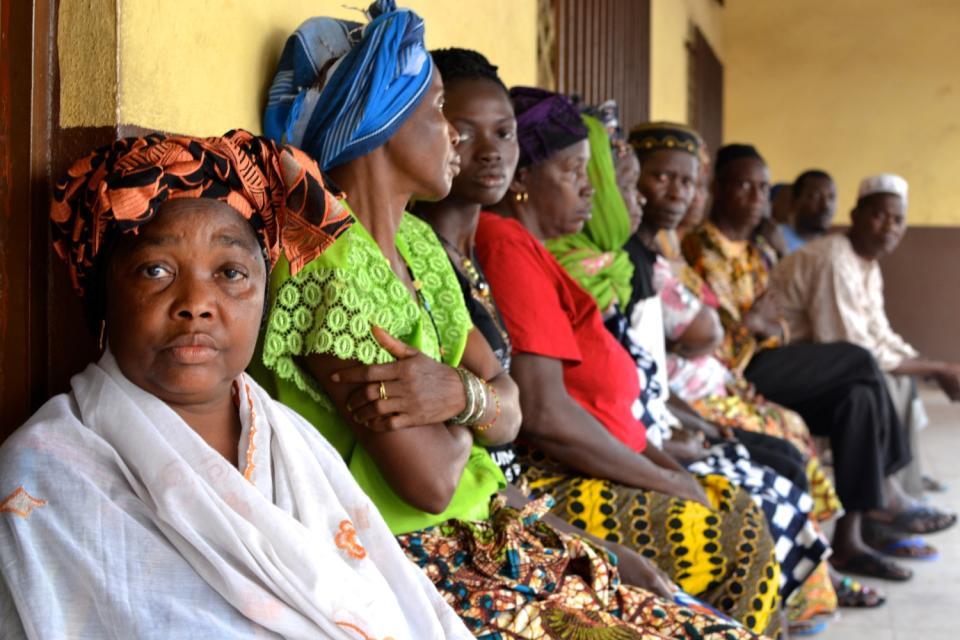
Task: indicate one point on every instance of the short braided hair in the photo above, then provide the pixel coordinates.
(464, 64)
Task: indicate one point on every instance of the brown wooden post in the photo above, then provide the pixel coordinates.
(705, 90)
(602, 52)
(43, 340)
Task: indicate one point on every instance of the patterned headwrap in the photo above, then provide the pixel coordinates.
(594, 257)
(340, 92)
(120, 187)
(546, 123)
(665, 136)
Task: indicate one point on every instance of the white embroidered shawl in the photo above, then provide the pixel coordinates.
(119, 521)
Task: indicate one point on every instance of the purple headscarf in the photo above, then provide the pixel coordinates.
(546, 123)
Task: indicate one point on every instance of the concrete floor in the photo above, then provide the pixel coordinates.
(928, 606)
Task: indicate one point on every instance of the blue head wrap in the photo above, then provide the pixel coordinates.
(340, 92)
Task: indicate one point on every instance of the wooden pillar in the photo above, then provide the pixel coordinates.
(43, 340)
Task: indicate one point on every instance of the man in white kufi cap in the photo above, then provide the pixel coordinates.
(832, 289)
(883, 184)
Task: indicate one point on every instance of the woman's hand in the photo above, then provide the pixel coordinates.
(692, 421)
(717, 431)
(633, 568)
(686, 446)
(640, 572)
(686, 487)
(702, 337)
(417, 389)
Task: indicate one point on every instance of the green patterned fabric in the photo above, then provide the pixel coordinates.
(329, 308)
(594, 257)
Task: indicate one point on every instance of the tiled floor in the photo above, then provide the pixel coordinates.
(928, 606)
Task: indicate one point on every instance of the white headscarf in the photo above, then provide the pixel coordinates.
(120, 521)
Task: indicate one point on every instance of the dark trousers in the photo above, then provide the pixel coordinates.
(839, 390)
(778, 454)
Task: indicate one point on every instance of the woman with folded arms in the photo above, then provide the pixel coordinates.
(412, 404)
(581, 395)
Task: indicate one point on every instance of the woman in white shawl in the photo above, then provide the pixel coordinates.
(166, 495)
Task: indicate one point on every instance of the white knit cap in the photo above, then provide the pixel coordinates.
(883, 183)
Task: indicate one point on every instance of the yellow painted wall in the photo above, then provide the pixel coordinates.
(87, 33)
(670, 22)
(201, 67)
(855, 87)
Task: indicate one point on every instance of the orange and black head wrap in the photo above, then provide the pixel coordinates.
(120, 187)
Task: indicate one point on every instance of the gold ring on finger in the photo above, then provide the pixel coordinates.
(383, 391)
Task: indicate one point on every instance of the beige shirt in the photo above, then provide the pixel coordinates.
(830, 293)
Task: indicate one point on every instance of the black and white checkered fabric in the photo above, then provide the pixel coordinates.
(800, 546)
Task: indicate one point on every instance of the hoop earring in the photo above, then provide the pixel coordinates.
(103, 334)
(521, 196)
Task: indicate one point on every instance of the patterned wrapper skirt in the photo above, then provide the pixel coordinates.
(724, 556)
(815, 596)
(513, 576)
(760, 416)
(799, 543)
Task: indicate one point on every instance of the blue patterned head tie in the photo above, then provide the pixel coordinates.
(341, 90)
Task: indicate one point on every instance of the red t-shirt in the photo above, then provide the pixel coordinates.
(548, 314)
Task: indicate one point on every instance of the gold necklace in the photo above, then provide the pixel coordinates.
(469, 269)
(480, 290)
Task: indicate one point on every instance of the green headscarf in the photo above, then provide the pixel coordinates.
(595, 256)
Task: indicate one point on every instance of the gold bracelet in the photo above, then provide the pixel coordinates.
(480, 428)
(468, 415)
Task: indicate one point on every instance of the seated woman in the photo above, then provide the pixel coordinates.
(744, 461)
(166, 494)
(589, 256)
(579, 390)
(717, 393)
(411, 414)
(474, 105)
(692, 325)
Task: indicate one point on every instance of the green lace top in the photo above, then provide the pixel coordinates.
(330, 306)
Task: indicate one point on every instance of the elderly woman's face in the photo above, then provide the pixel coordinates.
(423, 147)
(697, 210)
(560, 192)
(185, 297)
(628, 172)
